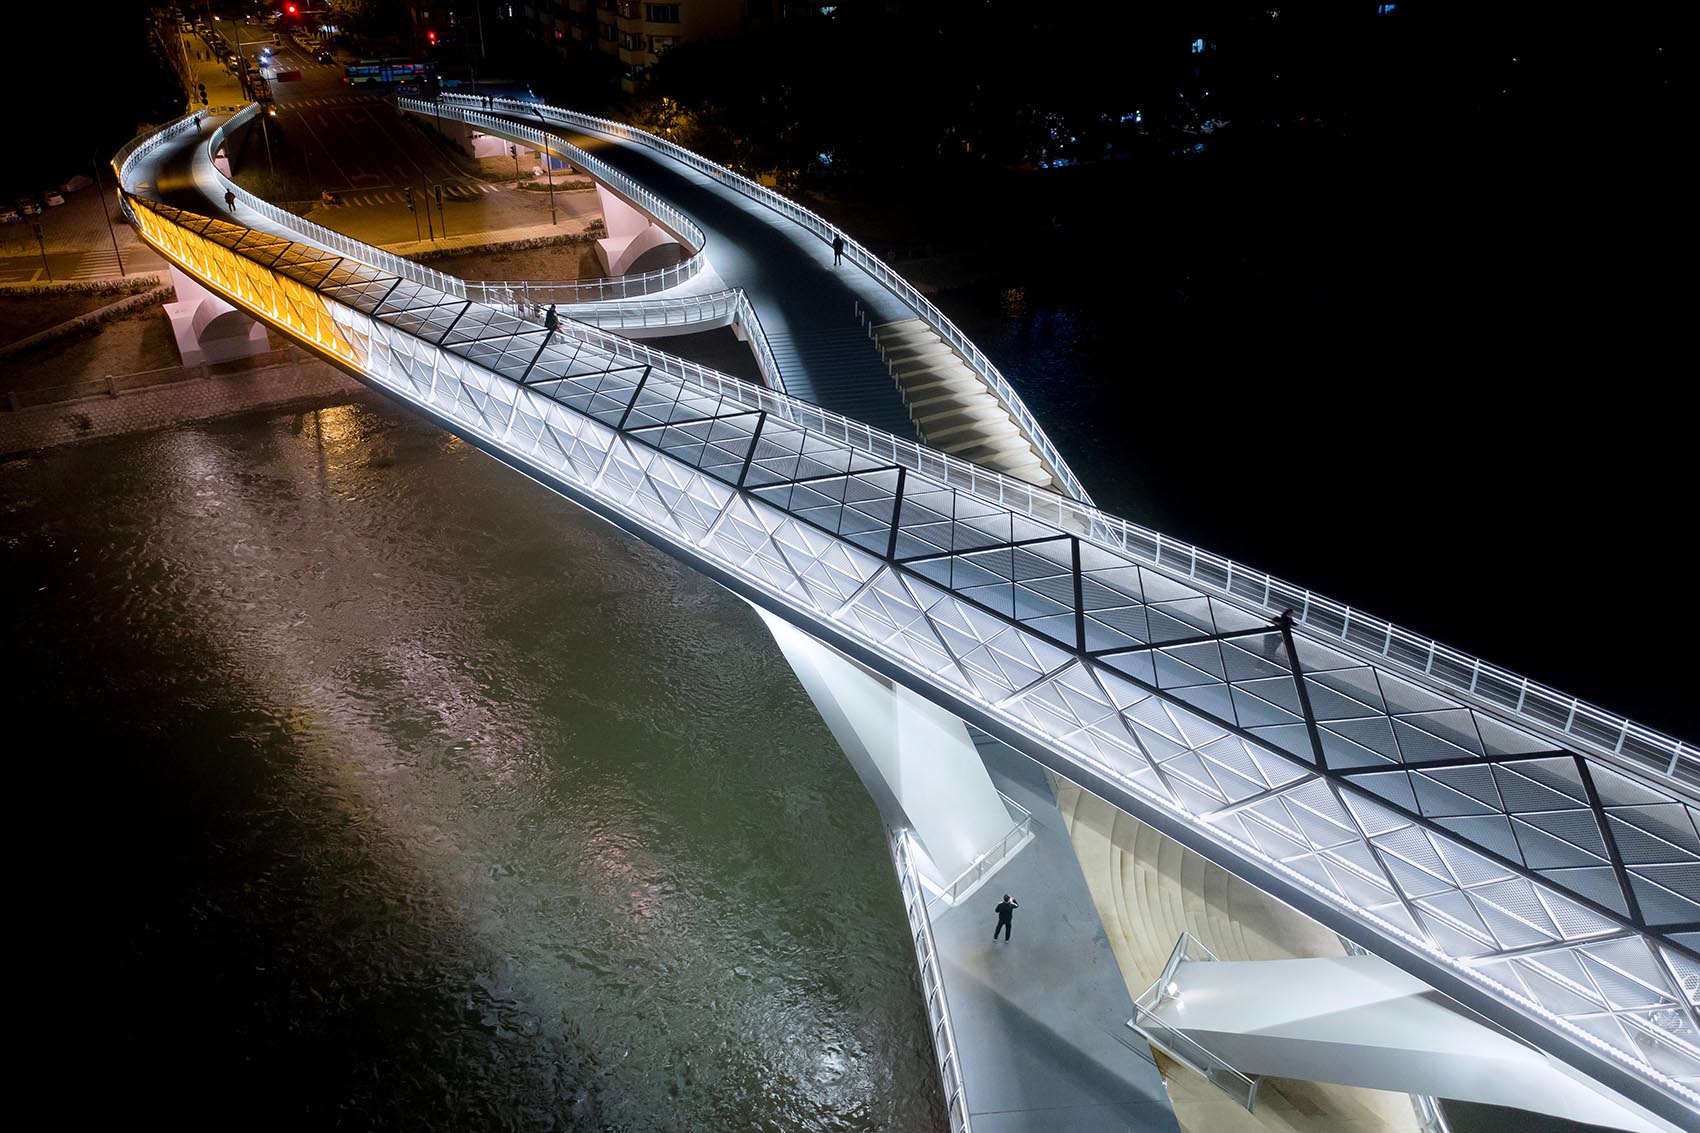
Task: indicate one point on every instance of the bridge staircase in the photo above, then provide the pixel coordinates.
(952, 409)
(832, 365)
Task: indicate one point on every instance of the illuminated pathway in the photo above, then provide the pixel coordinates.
(1529, 856)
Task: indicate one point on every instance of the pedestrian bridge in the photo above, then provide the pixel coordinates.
(1530, 856)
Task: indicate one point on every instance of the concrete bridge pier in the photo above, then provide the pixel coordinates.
(207, 328)
(916, 760)
(635, 243)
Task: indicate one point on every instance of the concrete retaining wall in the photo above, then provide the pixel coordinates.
(201, 394)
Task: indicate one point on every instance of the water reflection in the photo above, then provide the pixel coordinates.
(419, 799)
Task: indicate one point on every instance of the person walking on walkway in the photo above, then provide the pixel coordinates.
(1005, 908)
(230, 200)
(551, 323)
(837, 250)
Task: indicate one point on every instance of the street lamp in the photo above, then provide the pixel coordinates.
(548, 168)
(36, 224)
(106, 211)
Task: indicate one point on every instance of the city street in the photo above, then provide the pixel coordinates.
(77, 243)
(328, 136)
(325, 135)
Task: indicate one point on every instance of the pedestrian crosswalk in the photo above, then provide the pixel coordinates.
(466, 191)
(334, 100)
(95, 265)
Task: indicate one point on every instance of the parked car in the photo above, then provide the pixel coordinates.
(10, 216)
(52, 198)
(29, 206)
(76, 182)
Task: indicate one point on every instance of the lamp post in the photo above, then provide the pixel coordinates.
(548, 168)
(265, 132)
(36, 224)
(94, 167)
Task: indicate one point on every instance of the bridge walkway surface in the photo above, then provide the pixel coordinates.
(806, 305)
(1041, 1019)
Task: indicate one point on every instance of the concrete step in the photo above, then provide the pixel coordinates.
(970, 427)
(945, 400)
(1001, 449)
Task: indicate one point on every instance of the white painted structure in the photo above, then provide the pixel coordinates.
(1360, 1021)
(915, 758)
(634, 242)
(207, 328)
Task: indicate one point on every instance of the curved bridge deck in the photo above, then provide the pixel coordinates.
(1537, 878)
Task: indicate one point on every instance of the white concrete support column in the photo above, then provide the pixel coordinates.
(207, 328)
(634, 243)
(1360, 1021)
(915, 759)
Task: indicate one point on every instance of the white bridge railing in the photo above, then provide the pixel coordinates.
(682, 227)
(855, 252)
(932, 982)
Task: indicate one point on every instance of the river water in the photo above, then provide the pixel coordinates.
(368, 784)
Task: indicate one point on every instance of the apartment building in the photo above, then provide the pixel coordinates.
(635, 33)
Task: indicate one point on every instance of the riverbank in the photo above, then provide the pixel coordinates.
(96, 408)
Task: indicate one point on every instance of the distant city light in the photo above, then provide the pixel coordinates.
(1198, 47)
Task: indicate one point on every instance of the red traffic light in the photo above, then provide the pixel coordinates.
(431, 37)
(291, 8)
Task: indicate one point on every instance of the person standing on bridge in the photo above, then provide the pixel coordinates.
(1004, 909)
(837, 249)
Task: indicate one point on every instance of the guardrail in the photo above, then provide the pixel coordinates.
(932, 983)
(325, 237)
(572, 292)
(715, 308)
(682, 227)
(857, 254)
(1182, 1047)
(1592, 729)
(992, 860)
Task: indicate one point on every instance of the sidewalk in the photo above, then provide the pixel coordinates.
(1039, 1019)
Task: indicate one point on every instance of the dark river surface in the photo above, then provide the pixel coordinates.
(367, 783)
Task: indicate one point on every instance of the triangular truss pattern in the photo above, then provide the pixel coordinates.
(1573, 884)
